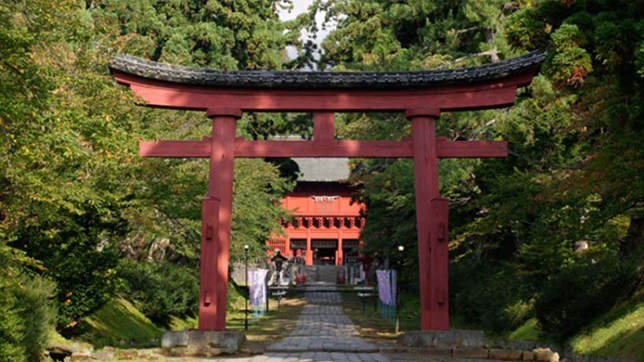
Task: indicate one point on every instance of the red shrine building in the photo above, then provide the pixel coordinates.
(326, 223)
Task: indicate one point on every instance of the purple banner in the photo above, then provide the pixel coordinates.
(257, 288)
(387, 286)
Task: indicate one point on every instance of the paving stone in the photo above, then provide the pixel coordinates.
(365, 357)
(324, 333)
(380, 358)
(506, 354)
(527, 356)
(476, 353)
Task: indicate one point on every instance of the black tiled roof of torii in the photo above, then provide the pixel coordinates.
(325, 80)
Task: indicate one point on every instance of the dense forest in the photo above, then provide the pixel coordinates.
(574, 175)
(552, 233)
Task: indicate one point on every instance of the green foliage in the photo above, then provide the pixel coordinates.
(11, 325)
(615, 334)
(528, 31)
(160, 291)
(392, 221)
(237, 34)
(495, 298)
(38, 314)
(529, 331)
(27, 314)
(411, 35)
(73, 193)
(583, 291)
(119, 322)
(573, 137)
(83, 269)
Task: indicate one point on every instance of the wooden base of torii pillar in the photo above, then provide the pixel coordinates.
(421, 95)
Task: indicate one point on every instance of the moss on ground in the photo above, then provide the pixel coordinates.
(619, 333)
(528, 331)
(119, 323)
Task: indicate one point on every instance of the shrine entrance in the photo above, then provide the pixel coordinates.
(324, 251)
(421, 96)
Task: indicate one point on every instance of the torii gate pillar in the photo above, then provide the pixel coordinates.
(215, 221)
(431, 222)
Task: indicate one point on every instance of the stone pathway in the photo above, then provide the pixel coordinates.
(323, 334)
(323, 327)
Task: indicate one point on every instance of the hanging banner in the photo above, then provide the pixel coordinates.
(394, 288)
(387, 293)
(387, 286)
(257, 290)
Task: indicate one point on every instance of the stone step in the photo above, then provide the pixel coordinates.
(323, 344)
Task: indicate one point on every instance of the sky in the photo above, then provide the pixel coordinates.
(300, 6)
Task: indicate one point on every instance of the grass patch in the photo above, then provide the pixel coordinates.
(119, 323)
(366, 317)
(619, 333)
(55, 339)
(529, 331)
(178, 324)
(372, 325)
(274, 325)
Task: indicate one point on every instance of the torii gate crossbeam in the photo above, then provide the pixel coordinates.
(421, 95)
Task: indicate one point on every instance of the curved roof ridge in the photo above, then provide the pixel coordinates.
(325, 80)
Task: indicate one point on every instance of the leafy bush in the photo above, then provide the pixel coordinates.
(27, 312)
(11, 326)
(38, 315)
(492, 297)
(160, 290)
(583, 291)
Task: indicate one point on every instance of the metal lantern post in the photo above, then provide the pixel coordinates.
(247, 286)
(401, 248)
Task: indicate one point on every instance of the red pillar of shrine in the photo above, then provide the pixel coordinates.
(339, 259)
(431, 214)
(216, 214)
(308, 260)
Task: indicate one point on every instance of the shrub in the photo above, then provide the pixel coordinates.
(38, 314)
(492, 297)
(27, 312)
(160, 290)
(583, 291)
(11, 326)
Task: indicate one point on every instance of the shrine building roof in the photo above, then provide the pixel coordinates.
(325, 80)
(323, 169)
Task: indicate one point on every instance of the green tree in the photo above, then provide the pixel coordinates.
(413, 35)
(73, 192)
(596, 55)
(595, 63)
(575, 165)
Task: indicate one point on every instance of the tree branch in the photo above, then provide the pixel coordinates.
(492, 53)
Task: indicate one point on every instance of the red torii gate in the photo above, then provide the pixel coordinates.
(422, 96)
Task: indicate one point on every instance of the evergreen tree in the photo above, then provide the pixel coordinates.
(74, 194)
(574, 170)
